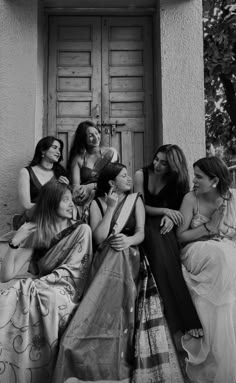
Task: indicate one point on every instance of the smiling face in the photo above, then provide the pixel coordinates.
(123, 182)
(65, 208)
(53, 154)
(93, 137)
(160, 164)
(202, 183)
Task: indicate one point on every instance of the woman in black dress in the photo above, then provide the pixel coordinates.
(163, 184)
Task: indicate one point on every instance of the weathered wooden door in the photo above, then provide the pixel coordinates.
(100, 69)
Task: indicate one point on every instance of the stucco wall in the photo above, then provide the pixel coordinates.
(181, 84)
(18, 77)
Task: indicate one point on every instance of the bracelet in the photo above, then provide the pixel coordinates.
(208, 230)
(13, 246)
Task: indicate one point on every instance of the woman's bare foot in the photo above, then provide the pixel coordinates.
(196, 332)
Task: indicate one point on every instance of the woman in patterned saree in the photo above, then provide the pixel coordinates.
(44, 166)
(87, 158)
(35, 310)
(118, 333)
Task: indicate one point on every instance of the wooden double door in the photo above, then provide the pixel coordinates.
(100, 69)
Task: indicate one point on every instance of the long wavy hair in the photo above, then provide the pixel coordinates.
(42, 146)
(79, 141)
(108, 173)
(215, 167)
(45, 212)
(177, 165)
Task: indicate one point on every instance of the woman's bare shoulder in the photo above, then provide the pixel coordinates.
(77, 160)
(190, 197)
(23, 173)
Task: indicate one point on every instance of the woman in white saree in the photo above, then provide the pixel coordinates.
(208, 237)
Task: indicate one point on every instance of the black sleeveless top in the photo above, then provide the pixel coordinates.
(167, 197)
(35, 185)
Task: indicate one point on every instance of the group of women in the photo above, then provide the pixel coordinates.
(79, 301)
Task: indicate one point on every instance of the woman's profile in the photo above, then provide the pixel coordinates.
(208, 237)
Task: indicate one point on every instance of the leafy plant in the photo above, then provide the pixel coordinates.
(219, 23)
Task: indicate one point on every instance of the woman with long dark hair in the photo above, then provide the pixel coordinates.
(36, 308)
(163, 185)
(42, 168)
(87, 158)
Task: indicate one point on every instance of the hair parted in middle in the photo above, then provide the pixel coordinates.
(45, 211)
(177, 164)
(79, 141)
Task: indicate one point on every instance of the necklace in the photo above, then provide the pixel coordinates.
(45, 168)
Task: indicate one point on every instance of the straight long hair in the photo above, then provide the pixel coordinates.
(79, 141)
(178, 169)
(42, 146)
(45, 212)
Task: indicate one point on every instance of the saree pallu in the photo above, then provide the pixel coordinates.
(34, 312)
(210, 273)
(118, 332)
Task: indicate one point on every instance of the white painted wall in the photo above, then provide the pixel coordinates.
(20, 101)
(181, 77)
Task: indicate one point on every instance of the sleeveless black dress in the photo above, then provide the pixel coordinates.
(163, 255)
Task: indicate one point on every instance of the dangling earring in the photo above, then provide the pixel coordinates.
(42, 155)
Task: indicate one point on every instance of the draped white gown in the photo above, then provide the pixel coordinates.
(210, 273)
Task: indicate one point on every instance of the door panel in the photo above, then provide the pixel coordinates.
(74, 84)
(127, 90)
(100, 68)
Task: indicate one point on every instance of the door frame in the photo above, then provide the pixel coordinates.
(151, 12)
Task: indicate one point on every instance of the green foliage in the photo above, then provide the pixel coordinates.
(219, 22)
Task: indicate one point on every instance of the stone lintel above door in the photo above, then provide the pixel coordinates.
(132, 5)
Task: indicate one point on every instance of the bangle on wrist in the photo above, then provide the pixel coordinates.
(13, 246)
(209, 232)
